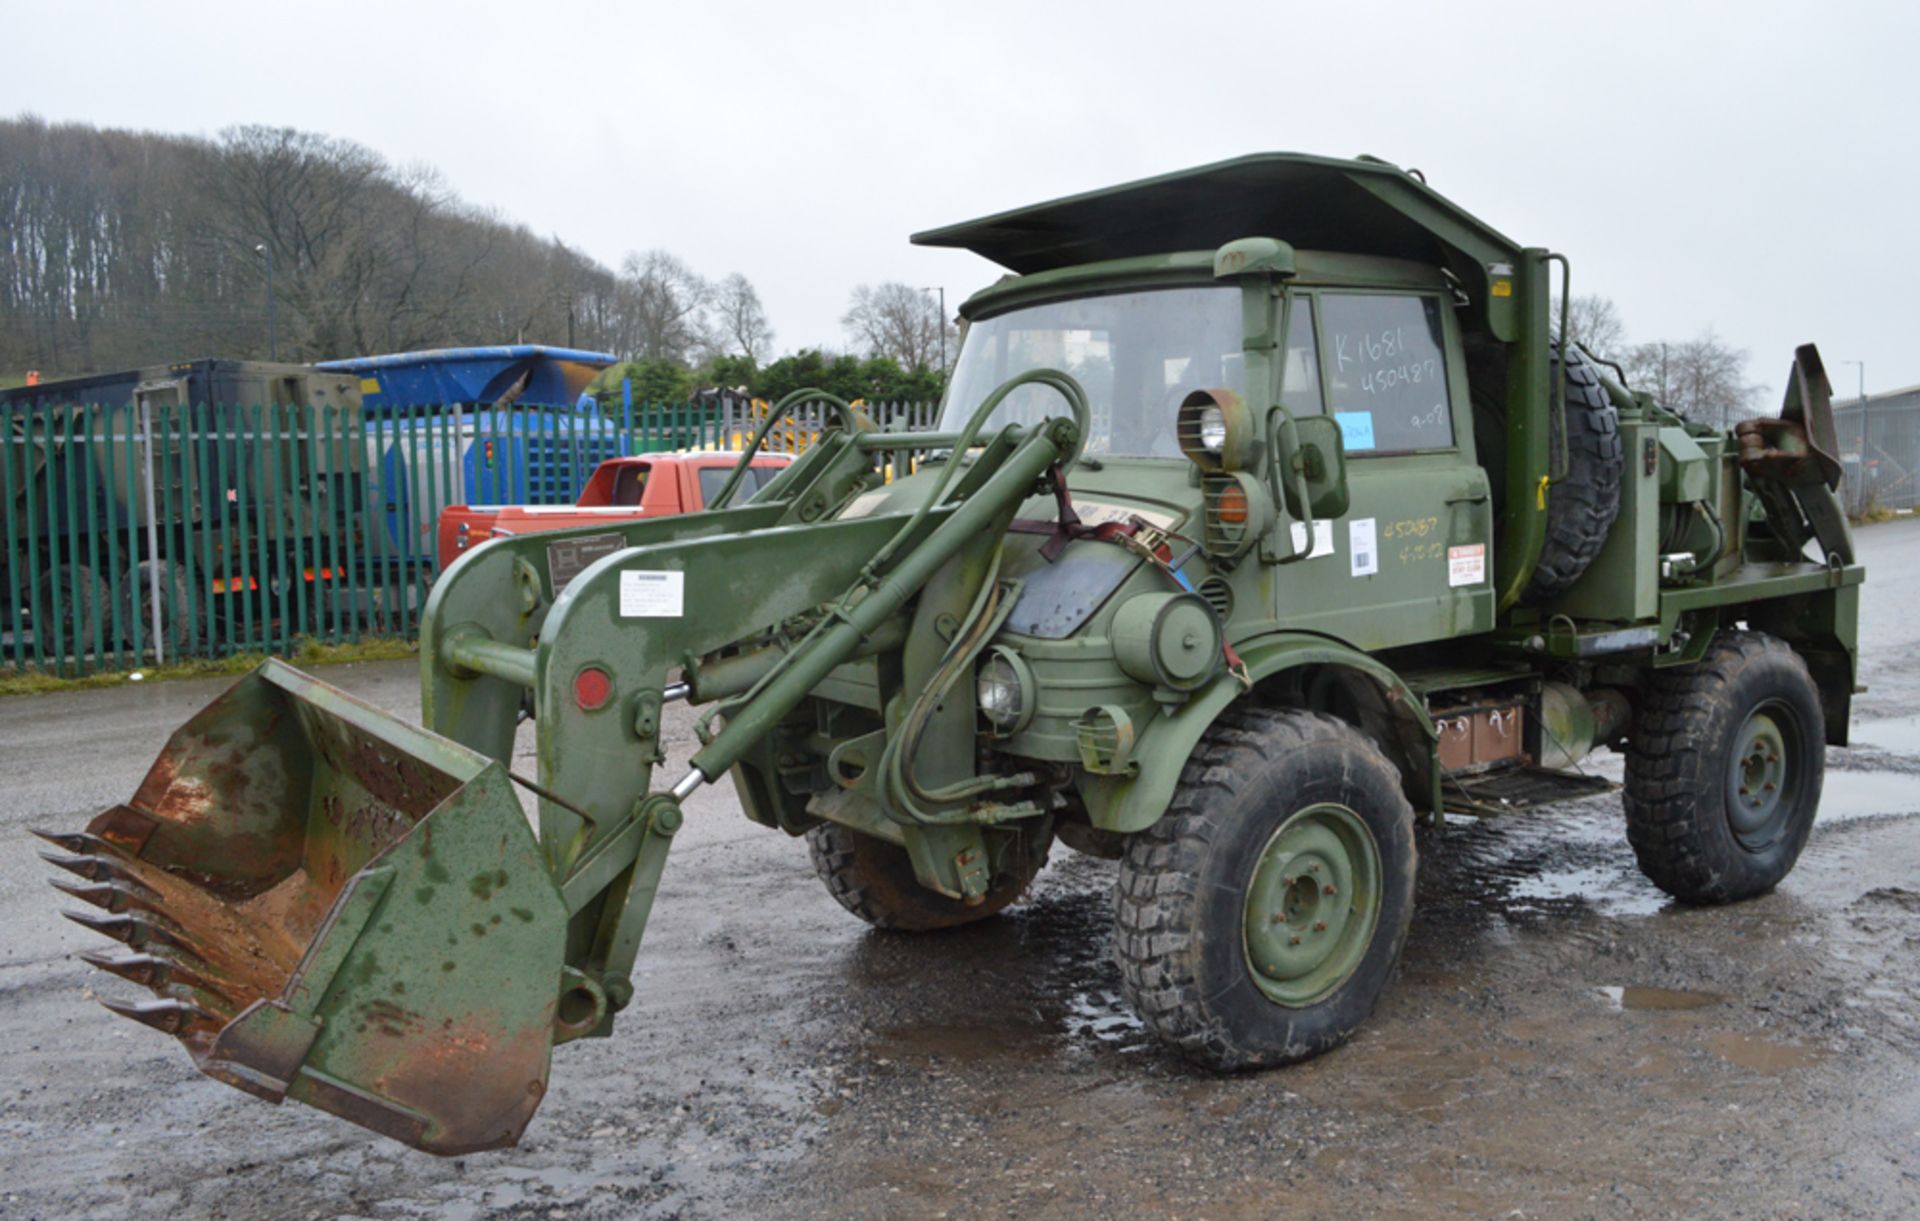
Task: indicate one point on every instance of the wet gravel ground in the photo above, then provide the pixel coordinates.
(1561, 1041)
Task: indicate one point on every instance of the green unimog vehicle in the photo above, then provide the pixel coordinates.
(1270, 512)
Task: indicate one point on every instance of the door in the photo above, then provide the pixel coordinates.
(1411, 560)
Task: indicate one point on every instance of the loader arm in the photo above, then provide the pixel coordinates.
(338, 907)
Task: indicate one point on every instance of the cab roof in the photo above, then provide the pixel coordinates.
(1364, 206)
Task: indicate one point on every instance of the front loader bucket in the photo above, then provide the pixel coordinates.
(334, 906)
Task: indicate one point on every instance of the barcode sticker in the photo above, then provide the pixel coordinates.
(651, 595)
(1362, 551)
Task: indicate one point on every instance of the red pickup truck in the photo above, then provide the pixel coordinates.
(620, 489)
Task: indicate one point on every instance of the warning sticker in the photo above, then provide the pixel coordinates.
(1467, 565)
(1322, 538)
(567, 559)
(651, 595)
(1361, 548)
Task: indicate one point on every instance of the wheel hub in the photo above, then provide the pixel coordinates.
(1312, 904)
(1761, 782)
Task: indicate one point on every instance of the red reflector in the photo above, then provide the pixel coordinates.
(592, 688)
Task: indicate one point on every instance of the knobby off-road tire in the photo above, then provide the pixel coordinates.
(1724, 770)
(874, 880)
(1581, 508)
(1288, 827)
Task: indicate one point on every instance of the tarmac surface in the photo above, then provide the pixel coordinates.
(1561, 1040)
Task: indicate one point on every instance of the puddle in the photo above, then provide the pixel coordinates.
(1845, 796)
(1763, 1055)
(1604, 889)
(1899, 735)
(1635, 997)
(1105, 1016)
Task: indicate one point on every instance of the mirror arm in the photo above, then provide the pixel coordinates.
(1284, 458)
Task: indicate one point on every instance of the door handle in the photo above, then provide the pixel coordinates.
(1468, 498)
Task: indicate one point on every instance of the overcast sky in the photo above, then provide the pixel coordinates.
(1747, 167)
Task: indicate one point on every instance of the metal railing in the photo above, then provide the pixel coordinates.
(1879, 453)
(146, 534)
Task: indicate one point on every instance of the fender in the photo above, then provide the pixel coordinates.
(1132, 803)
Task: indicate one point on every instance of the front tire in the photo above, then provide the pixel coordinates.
(1259, 921)
(1724, 771)
(874, 880)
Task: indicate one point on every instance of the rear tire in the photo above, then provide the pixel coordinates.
(1235, 946)
(874, 880)
(1724, 771)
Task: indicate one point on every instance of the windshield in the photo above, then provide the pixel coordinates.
(1136, 354)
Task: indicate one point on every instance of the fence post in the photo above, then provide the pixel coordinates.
(153, 532)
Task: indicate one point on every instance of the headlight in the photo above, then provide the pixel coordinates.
(1005, 688)
(1213, 429)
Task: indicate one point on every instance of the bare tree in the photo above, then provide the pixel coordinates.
(1594, 323)
(664, 306)
(740, 319)
(1703, 378)
(898, 321)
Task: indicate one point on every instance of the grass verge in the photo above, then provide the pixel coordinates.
(18, 681)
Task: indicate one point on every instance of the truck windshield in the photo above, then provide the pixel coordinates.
(1137, 355)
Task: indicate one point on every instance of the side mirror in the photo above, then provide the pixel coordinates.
(1309, 464)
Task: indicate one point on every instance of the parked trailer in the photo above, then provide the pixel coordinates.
(539, 452)
(141, 506)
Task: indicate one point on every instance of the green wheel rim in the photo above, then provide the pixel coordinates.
(1312, 905)
(1764, 776)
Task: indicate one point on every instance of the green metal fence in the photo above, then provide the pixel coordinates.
(153, 532)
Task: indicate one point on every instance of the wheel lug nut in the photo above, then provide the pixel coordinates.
(1327, 889)
(1320, 926)
(1294, 940)
(1313, 869)
(1286, 880)
(1768, 786)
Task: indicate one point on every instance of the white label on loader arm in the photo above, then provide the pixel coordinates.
(651, 595)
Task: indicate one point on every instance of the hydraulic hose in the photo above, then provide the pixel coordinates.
(849, 420)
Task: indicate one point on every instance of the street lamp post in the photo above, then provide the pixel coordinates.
(273, 338)
(1861, 365)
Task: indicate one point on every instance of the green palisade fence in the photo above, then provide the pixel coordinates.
(158, 532)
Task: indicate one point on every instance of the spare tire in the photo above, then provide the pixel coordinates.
(1582, 504)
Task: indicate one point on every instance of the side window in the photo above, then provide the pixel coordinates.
(1386, 371)
(629, 482)
(1300, 391)
(713, 478)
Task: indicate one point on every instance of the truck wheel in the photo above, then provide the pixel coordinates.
(181, 626)
(83, 610)
(1581, 507)
(874, 880)
(1724, 770)
(1257, 923)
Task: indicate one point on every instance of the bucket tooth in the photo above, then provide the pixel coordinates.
(137, 931)
(169, 1016)
(115, 897)
(148, 970)
(98, 869)
(92, 868)
(156, 972)
(75, 841)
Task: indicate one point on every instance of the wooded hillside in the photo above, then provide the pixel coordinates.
(119, 249)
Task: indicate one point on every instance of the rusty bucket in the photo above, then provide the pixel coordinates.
(334, 906)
